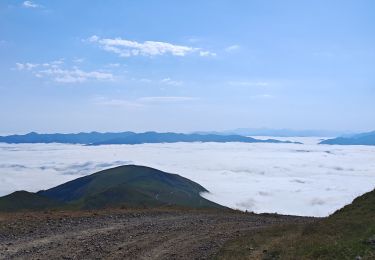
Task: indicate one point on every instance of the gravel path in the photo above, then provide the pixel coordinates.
(122, 234)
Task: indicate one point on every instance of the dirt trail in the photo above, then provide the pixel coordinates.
(116, 234)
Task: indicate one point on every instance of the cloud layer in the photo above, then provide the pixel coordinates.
(296, 179)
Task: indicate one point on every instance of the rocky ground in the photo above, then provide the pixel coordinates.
(126, 234)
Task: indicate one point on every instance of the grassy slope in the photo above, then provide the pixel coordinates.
(134, 186)
(27, 201)
(348, 233)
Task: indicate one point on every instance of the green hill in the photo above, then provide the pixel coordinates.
(26, 201)
(124, 186)
(349, 233)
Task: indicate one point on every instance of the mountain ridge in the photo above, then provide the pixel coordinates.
(358, 139)
(284, 132)
(96, 138)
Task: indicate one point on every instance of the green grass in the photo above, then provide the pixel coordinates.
(348, 233)
(23, 200)
(125, 186)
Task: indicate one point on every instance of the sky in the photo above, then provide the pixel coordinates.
(70, 66)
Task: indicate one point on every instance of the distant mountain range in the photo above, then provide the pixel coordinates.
(359, 139)
(95, 138)
(279, 132)
(125, 186)
(76, 138)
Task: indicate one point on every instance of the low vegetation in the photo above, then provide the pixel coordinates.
(347, 234)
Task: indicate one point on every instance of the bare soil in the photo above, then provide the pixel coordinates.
(127, 234)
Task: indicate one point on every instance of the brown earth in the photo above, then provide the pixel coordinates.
(127, 234)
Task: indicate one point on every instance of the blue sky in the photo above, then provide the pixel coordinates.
(69, 66)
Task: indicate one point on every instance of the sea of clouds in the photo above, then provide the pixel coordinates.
(300, 179)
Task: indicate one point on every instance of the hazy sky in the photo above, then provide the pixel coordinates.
(70, 66)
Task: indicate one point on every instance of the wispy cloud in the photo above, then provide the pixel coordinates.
(74, 75)
(263, 96)
(194, 39)
(102, 101)
(114, 65)
(323, 54)
(171, 82)
(207, 54)
(128, 48)
(144, 80)
(249, 83)
(55, 71)
(30, 4)
(164, 81)
(142, 101)
(232, 48)
(26, 66)
(78, 60)
(167, 99)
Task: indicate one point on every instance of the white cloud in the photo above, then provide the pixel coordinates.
(26, 66)
(171, 82)
(30, 4)
(232, 48)
(55, 71)
(93, 38)
(257, 177)
(207, 54)
(127, 48)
